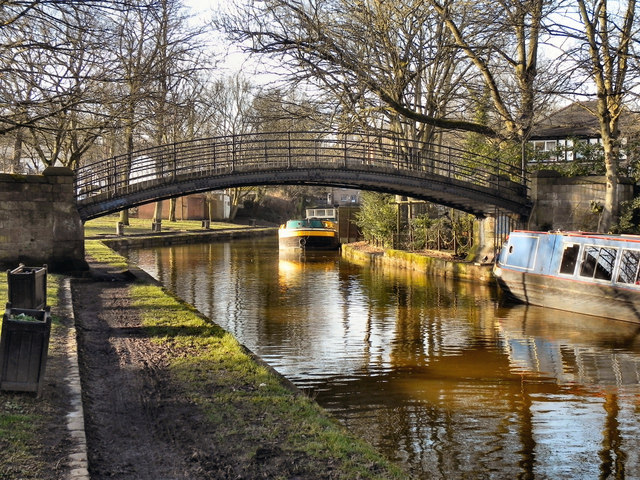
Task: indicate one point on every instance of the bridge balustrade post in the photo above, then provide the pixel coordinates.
(233, 153)
(159, 163)
(345, 150)
(213, 156)
(114, 177)
(289, 149)
(265, 151)
(175, 163)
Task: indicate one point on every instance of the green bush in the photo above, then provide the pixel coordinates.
(377, 218)
(629, 220)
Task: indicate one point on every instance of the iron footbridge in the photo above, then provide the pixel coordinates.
(441, 174)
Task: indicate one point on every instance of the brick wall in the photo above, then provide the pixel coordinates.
(39, 223)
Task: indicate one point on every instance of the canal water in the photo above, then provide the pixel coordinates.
(445, 378)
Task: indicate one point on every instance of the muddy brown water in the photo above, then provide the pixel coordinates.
(446, 378)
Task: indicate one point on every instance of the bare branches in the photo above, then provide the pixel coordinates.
(411, 61)
(71, 70)
(376, 60)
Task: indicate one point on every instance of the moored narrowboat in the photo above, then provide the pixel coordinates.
(308, 234)
(588, 273)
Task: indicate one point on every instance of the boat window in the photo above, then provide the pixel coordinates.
(598, 262)
(589, 261)
(629, 266)
(606, 261)
(569, 259)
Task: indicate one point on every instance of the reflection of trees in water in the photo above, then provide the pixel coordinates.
(612, 455)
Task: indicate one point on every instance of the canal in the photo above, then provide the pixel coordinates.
(442, 377)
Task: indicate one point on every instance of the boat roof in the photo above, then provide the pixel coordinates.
(305, 223)
(580, 234)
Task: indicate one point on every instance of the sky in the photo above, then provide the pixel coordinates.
(234, 59)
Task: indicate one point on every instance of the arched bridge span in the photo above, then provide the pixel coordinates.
(444, 175)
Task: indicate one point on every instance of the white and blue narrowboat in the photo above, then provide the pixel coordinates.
(589, 273)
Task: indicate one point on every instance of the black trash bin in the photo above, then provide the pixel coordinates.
(24, 345)
(27, 287)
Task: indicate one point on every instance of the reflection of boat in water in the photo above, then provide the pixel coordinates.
(309, 234)
(574, 349)
(593, 274)
(293, 264)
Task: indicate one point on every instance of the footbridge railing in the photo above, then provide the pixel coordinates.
(439, 173)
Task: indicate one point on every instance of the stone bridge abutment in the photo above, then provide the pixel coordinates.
(39, 221)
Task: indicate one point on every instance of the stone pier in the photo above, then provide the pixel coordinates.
(39, 222)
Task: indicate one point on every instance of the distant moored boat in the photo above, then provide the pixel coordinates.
(309, 234)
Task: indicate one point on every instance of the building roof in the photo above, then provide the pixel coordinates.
(576, 120)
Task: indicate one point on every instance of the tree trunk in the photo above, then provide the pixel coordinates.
(610, 211)
(124, 216)
(608, 66)
(172, 210)
(609, 135)
(233, 211)
(157, 213)
(16, 166)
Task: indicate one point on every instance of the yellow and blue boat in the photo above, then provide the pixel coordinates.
(309, 234)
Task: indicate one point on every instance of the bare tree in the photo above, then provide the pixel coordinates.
(45, 56)
(23, 47)
(177, 58)
(377, 60)
(79, 90)
(133, 52)
(605, 60)
(501, 39)
(57, 87)
(231, 99)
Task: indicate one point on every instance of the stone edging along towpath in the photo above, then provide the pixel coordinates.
(171, 238)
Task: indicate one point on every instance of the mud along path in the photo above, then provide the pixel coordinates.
(136, 425)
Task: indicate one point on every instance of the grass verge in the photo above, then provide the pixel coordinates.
(103, 254)
(247, 401)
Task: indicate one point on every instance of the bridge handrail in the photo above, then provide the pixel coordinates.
(293, 150)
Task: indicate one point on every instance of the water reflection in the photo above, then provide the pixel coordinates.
(439, 375)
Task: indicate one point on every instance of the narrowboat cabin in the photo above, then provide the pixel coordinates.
(308, 234)
(588, 273)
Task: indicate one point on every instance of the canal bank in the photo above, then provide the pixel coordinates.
(439, 375)
(137, 362)
(435, 263)
(117, 242)
(200, 403)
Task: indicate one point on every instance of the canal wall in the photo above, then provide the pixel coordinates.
(184, 238)
(39, 222)
(429, 265)
(570, 203)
